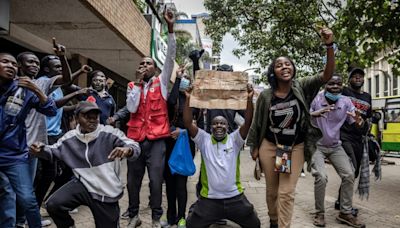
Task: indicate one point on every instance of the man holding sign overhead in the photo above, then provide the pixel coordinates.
(220, 161)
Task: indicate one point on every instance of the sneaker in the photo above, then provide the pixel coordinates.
(337, 205)
(164, 222)
(273, 224)
(46, 222)
(354, 211)
(319, 220)
(350, 220)
(134, 222)
(20, 226)
(74, 211)
(125, 215)
(302, 174)
(182, 223)
(156, 224)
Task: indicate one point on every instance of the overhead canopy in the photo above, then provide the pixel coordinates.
(112, 33)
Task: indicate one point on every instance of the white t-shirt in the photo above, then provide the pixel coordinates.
(220, 165)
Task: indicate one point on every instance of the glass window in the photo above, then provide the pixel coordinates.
(395, 86)
(377, 85)
(385, 87)
(369, 86)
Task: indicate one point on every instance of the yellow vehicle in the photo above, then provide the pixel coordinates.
(386, 124)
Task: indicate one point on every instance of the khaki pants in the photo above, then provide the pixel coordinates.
(280, 186)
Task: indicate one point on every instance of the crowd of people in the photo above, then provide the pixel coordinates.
(47, 140)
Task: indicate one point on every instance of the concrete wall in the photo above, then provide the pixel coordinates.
(124, 18)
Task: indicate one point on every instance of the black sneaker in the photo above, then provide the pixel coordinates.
(273, 224)
(337, 205)
(354, 211)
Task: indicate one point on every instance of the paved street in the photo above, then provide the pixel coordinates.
(381, 210)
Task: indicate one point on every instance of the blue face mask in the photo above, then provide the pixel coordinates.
(332, 97)
(184, 85)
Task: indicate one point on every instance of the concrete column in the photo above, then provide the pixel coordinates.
(78, 61)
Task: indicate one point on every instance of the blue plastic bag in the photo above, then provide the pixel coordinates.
(181, 160)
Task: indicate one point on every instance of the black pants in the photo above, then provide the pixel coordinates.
(237, 209)
(74, 194)
(152, 157)
(175, 186)
(354, 149)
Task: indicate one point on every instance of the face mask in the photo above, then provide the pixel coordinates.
(184, 85)
(332, 97)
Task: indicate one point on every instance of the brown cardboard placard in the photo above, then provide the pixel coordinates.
(219, 90)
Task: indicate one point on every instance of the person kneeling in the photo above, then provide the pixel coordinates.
(90, 151)
(221, 195)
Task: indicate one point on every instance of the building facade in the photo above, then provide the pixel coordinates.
(380, 80)
(111, 36)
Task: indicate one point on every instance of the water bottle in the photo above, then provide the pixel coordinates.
(15, 103)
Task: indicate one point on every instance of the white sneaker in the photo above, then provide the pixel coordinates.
(164, 222)
(303, 175)
(74, 211)
(156, 224)
(46, 222)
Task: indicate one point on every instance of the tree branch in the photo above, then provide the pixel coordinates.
(330, 13)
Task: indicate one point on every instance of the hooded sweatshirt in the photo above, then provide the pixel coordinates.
(87, 156)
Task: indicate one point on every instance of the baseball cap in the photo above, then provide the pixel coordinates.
(356, 70)
(86, 106)
(225, 67)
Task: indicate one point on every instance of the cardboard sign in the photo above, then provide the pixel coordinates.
(219, 90)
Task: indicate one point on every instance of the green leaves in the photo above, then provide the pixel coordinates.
(267, 29)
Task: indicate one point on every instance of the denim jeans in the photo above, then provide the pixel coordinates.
(7, 197)
(33, 161)
(16, 187)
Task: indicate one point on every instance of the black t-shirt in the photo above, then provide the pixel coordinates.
(362, 102)
(284, 119)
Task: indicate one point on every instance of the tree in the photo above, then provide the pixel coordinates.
(368, 29)
(141, 5)
(184, 46)
(266, 29)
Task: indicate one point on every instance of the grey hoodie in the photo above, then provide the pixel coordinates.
(87, 156)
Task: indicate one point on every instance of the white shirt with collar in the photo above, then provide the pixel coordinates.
(220, 165)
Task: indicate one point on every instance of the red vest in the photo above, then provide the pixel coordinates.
(151, 118)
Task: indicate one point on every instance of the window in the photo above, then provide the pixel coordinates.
(395, 86)
(385, 87)
(369, 86)
(377, 85)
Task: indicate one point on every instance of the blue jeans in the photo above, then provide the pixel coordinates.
(16, 188)
(33, 161)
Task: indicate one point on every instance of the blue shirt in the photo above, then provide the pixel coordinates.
(54, 122)
(106, 104)
(332, 122)
(13, 146)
